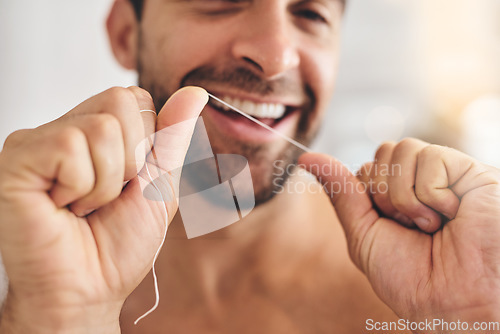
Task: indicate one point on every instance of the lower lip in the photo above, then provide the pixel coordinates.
(241, 128)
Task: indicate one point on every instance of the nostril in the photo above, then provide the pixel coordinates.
(253, 63)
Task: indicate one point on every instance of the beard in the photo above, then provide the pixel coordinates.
(270, 162)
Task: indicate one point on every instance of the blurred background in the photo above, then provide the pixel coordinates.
(423, 68)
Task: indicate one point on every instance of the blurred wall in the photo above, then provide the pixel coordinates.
(421, 68)
(53, 56)
(461, 56)
(378, 96)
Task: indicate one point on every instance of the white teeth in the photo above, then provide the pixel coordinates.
(259, 110)
(248, 107)
(220, 105)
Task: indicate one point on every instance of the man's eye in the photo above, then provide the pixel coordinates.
(217, 7)
(311, 15)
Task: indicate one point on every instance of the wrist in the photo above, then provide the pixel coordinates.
(18, 317)
(480, 320)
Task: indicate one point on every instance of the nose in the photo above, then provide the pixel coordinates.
(265, 43)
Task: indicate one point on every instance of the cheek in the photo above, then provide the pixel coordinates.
(181, 49)
(319, 70)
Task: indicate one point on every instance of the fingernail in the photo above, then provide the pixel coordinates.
(423, 223)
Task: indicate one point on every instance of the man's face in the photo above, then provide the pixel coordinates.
(274, 59)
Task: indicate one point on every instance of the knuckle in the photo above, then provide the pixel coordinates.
(70, 140)
(16, 138)
(409, 141)
(431, 152)
(406, 144)
(141, 93)
(119, 93)
(112, 169)
(105, 125)
(386, 146)
(383, 149)
(118, 98)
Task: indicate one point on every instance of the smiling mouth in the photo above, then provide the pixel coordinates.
(269, 113)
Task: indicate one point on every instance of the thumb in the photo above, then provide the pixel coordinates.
(349, 198)
(174, 129)
(175, 125)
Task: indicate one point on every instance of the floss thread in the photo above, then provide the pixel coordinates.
(253, 119)
(155, 278)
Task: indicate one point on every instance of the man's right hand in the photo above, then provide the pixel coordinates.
(74, 242)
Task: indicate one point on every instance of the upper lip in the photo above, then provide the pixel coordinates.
(289, 102)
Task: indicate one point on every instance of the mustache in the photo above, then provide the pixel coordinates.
(246, 80)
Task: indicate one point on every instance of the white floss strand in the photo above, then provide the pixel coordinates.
(265, 126)
(157, 291)
(253, 119)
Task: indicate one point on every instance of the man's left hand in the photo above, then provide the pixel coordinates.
(423, 223)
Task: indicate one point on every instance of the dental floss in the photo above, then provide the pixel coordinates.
(155, 278)
(265, 126)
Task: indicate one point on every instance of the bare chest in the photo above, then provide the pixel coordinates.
(320, 305)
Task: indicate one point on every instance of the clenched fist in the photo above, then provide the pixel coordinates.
(74, 240)
(426, 233)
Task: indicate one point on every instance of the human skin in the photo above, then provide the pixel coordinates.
(282, 59)
(101, 309)
(423, 266)
(297, 68)
(274, 40)
(69, 269)
(278, 42)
